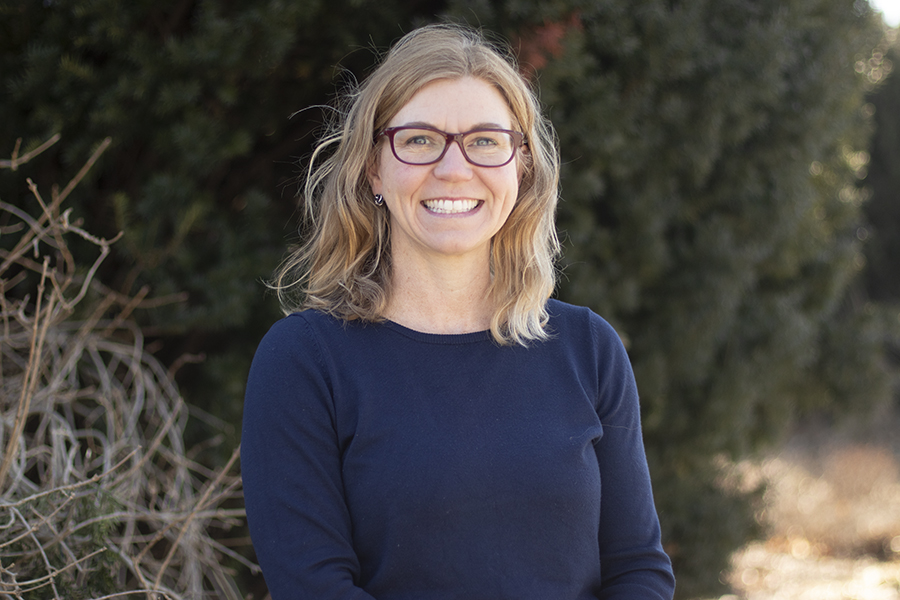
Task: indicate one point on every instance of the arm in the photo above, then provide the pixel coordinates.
(291, 467)
(633, 564)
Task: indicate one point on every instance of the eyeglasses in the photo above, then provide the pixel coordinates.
(427, 145)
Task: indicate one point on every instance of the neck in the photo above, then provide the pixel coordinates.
(442, 294)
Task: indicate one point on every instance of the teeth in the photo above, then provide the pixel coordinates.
(450, 206)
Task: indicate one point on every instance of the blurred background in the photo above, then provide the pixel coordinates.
(731, 204)
(889, 9)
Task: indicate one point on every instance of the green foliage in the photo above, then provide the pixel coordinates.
(883, 181)
(710, 211)
(881, 282)
(95, 577)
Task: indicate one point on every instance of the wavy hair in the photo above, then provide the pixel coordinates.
(344, 266)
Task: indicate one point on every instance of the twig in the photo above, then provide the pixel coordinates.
(30, 382)
(34, 234)
(155, 444)
(126, 311)
(51, 214)
(200, 505)
(159, 516)
(35, 225)
(183, 360)
(95, 479)
(49, 577)
(33, 528)
(254, 568)
(43, 554)
(132, 593)
(15, 161)
(84, 170)
(104, 251)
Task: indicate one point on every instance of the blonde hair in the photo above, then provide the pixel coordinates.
(344, 266)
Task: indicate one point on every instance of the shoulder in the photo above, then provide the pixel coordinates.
(584, 335)
(297, 338)
(574, 322)
(314, 338)
(301, 329)
(289, 333)
(292, 356)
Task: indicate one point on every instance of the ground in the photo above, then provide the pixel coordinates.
(832, 516)
(765, 571)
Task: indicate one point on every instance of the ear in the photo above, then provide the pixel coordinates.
(374, 176)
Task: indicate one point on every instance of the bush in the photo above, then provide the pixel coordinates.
(98, 493)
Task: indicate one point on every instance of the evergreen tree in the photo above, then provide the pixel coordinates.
(883, 182)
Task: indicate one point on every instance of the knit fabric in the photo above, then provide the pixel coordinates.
(381, 462)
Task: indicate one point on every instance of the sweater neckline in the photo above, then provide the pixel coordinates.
(439, 338)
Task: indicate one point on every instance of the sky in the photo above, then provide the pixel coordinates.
(891, 10)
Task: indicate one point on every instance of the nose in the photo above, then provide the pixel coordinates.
(453, 164)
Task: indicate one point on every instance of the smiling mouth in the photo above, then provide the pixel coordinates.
(449, 207)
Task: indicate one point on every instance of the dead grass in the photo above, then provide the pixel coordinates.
(98, 496)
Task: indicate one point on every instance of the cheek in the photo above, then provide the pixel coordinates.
(399, 181)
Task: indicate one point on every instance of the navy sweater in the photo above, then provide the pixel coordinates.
(381, 462)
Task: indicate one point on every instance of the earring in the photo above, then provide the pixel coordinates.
(379, 200)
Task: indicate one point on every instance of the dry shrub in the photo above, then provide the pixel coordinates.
(98, 495)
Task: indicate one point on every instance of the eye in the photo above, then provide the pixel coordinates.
(417, 138)
(484, 140)
(487, 141)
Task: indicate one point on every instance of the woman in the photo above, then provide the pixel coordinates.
(426, 423)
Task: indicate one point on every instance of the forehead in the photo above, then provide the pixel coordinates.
(455, 105)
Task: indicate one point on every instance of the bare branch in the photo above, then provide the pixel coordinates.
(93, 460)
(15, 161)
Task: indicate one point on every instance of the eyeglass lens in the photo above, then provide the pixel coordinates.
(487, 148)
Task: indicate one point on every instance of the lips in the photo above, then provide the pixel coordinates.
(450, 207)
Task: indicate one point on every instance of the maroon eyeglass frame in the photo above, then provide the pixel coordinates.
(517, 136)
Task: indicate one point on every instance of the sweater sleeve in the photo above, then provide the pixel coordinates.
(633, 563)
(291, 468)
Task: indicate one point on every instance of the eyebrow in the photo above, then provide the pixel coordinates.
(473, 128)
